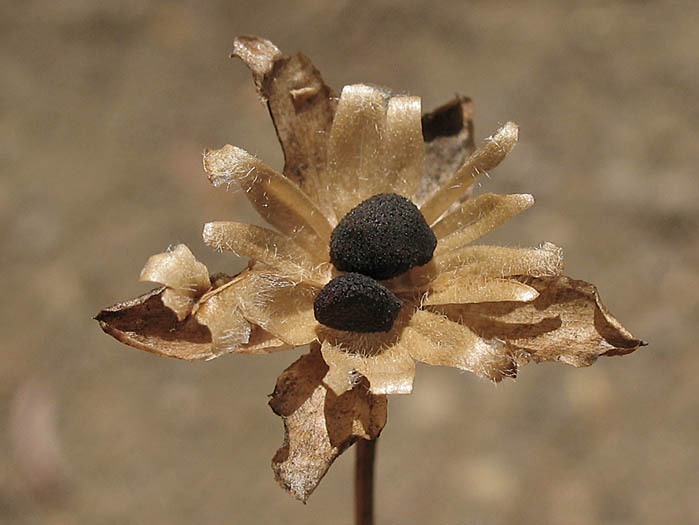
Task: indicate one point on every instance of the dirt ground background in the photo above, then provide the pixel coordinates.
(105, 108)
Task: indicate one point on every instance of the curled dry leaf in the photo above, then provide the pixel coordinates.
(567, 322)
(186, 278)
(147, 324)
(318, 424)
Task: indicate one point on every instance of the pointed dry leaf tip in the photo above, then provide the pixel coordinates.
(257, 53)
(356, 303)
(566, 323)
(147, 324)
(186, 278)
(383, 237)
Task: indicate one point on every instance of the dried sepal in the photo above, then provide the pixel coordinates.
(258, 54)
(566, 323)
(319, 425)
(185, 278)
(302, 108)
(216, 327)
(491, 153)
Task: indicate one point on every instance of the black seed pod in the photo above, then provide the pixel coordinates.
(356, 303)
(383, 237)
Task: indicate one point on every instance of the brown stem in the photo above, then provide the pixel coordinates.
(364, 482)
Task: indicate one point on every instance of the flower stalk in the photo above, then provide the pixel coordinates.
(364, 482)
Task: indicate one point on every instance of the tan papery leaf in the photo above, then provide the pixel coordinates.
(319, 425)
(567, 322)
(147, 324)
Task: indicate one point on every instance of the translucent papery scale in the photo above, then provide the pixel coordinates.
(277, 252)
(281, 202)
(186, 278)
(476, 217)
(375, 146)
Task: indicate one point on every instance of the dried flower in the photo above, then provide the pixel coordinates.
(373, 188)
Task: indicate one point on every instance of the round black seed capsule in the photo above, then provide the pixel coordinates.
(356, 303)
(382, 237)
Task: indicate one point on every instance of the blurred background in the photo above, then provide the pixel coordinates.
(105, 108)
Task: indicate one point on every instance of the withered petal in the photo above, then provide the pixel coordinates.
(273, 249)
(476, 217)
(355, 147)
(491, 153)
(436, 340)
(302, 108)
(221, 314)
(389, 371)
(318, 425)
(177, 301)
(177, 268)
(280, 306)
(262, 342)
(280, 201)
(449, 288)
(403, 156)
(566, 323)
(185, 277)
(499, 261)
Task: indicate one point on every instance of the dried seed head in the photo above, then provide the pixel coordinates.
(383, 237)
(356, 303)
